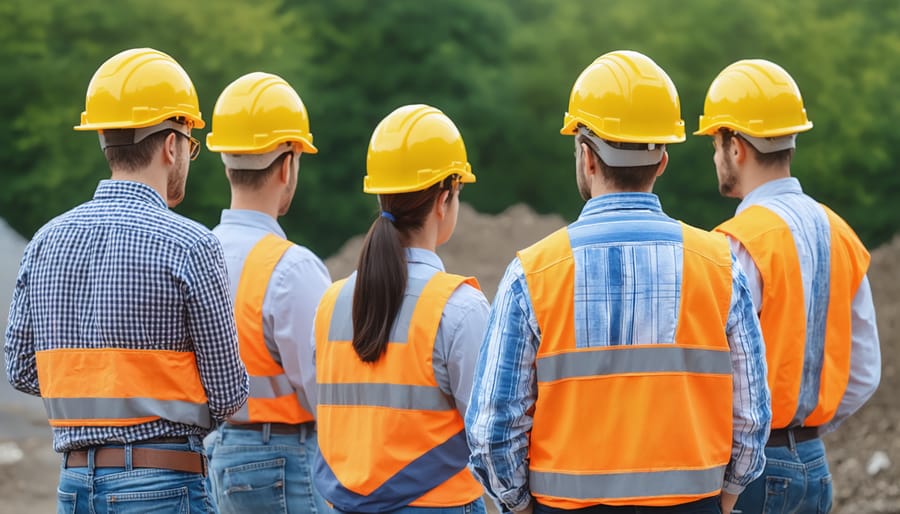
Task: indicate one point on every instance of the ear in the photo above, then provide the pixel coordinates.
(589, 160)
(169, 149)
(662, 164)
(738, 150)
(441, 204)
(284, 174)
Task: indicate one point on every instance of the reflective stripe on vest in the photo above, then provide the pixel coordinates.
(118, 387)
(273, 398)
(770, 243)
(642, 424)
(388, 436)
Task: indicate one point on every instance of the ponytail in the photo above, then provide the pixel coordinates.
(381, 273)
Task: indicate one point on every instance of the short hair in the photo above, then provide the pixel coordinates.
(766, 160)
(255, 179)
(136, 156)
(625, 178)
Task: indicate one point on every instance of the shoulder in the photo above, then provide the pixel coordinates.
(299, 261)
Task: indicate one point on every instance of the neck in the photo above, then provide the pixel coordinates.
(425, 238)
(261, 200)
(757, 176)
(152, 176)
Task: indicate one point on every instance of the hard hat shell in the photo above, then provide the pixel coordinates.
(256, 113)
(624, 96)
(138, 88)
(413, 148)
(756, 97)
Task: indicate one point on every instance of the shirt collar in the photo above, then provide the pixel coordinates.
(251, 218)
(621, 201)
(778, 187)
(423, 256)
(127, 189)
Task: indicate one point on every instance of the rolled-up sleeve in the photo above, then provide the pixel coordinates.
(752, 413)
(210, 320)
(498, 421)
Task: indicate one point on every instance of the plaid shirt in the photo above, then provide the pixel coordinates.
(123, 271)
(627, 291)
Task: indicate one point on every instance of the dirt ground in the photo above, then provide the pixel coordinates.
(864, 454)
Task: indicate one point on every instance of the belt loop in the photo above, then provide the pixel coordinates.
(129, 462)
(90, 459)
(304, 432)
(792, 443)
(266, 432)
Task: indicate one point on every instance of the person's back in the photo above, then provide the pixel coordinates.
(622, 367)
(120, 319)
(806, 271)
(396, 341)
(261, 128)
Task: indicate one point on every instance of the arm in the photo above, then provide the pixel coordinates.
(456, 356)
(21, 366)
(498, 421)
(865, 357)
(751, 404)
(210, 319)
(288, 313)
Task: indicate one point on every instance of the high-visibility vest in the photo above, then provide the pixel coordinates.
(120, 387)
(388, 436)
(273, 398)
(647, 424)
(769, 242)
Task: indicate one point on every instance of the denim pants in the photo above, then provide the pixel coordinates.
(96, 490)
(262, 472)
(796, 481)
(704, 506)
(476, 507)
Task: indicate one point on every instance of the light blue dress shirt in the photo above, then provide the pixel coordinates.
(809, 226)
(298, 282)
(628, 272)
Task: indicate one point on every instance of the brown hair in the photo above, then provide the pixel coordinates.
(254, 179)
(624, 178)
(136, 156)
(766, 160)
(381, 273)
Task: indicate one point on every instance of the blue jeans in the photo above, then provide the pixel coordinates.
(704, 506)
(261, 472)
(476, 507)
(122, 490)
(796, 481)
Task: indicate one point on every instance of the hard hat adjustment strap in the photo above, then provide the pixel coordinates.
(622, 157)
(255, 161)
(126, 137)
(770, 144)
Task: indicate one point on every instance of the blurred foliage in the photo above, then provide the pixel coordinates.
(502, 70)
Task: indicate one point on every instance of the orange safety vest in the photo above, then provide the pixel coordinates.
(647, 424)
(388, 436)
(770, 243)
(120, 387)
(273, 398)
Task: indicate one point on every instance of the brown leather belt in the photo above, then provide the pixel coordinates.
(781, 436)
(275, 428)
(176, 460)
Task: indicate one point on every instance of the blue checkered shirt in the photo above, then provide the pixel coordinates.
(628, 271)
(123, 271)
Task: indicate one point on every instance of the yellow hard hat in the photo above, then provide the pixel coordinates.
(755, 97)
(255, 114)
(413, 148)
(138, 88)
(624, 96)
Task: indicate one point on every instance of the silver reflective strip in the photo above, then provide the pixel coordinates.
(385, 395)
(341, 328)
(125, 408)
(629, 359)
(628, 485)
(270, 387)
